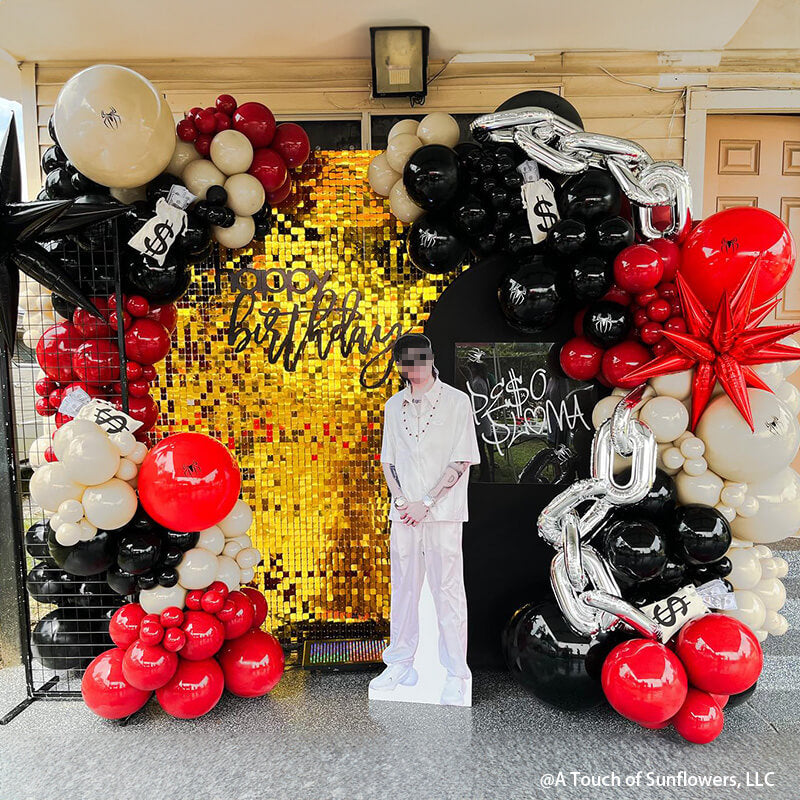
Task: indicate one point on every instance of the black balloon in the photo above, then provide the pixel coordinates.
(589, 278)
(85, 558)
(52, 158)
(700, 534)
(528, 295)
(183, 540)
(433, 247)
(606, 324)
(567, 237)
(613, 235)
(58, 184)
(216, 195)
(138, 552)
(120, 581)
(158, 284)
(263, 223)
(519, 241)
(171, 556)
(147, 580)
(590, 196)
(48, 584)
(470, 217)
(66, 638)
(540, 98)
(221, 216)
(166, 576)
(93, 595)
(432, 177)
(36, 540)
(486, 243)
(51, 129)
(658, 504)
(159, 188)
(635, 548)
(84, 186)
(142, 522)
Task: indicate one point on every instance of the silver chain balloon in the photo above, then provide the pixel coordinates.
(563, 147)
(584, 586)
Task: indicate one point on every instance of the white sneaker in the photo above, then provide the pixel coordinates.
(395, 674)
(453, 692)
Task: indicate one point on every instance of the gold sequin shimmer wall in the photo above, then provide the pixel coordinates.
(281, 353)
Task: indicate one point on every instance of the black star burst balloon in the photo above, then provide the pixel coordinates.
(24, 225)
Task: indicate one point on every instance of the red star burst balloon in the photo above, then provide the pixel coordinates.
(723, 346)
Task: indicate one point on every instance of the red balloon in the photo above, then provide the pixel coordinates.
(281, 193)
(133, 370)
(204, 121)
(621, 359)
(89, 325)
(204, 635)
(146, 341)
(226, 104)
(291, 142)
(670, 257)
(700, 718)
(105, 689)
(721, 250)
(124, 625)
(212, 602)
(638, 268)
(203, 144)
(137, 306)
(616, 295)
(96, 361)
(138, 388)
(243, 615)
(145, 409)
(269, 168)
(174, 639)
(55, 349)
(721, 654)
(167, 315)
(252, 664)
(580, 359)
(194, 599)
(256, 122)
(171, 617)
(259, 604)
(151, 631)
(148, 666)
(194, 689)
(189, 482)
(644, 681)
(187, 131)
(148, 372)
(221, 122)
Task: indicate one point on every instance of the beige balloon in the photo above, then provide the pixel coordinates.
(403, 126)
(128, 196)
(183, 154)
(75, 427)
(248, 557)
(439, 128)
(778, 514)
(238, 521)
(400, 149)
(245, 194)
(110, 505)
(401, 205)
(91, 459)
(228, 572)
(240, 234)
(200, 175)
(381, 176)
(114, 126)
(155, 600)
(51, 485)
(197, 569)
(211, 539)
(231, 151)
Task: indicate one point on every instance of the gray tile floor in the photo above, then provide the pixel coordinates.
(316, 737)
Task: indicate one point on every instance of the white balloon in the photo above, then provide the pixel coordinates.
(403, 126)
(88, 529)
(401, 205)
(692, 447)
(737, 453)
(240, 234)
(134, 194)
(666, 417)
(68, 534)
(211, 539)
(228, 572)
(381, 176)
(51, 485)
(232, 548)
(248, 557)
(677, 385)
(776, 624)
(762, 551)
(439, 128)
(746, 570)
(70, 511)
(245, 194)
(778, 513)
(197, 569)
(662, 450)
(749, 506)
(91, 459)
(772, 592)
(769, 568)
(37, 450)
(56, 522)
(246, 575)
(238, 521)
(750, 609)
(232, 152)
(695, 466)
(244, 540)
(137, 455)
(704, 489)
(200, 175)
(790, 395)
(124, 441)
(155, 600)
(603, 409)
(400, 148)
(771, 373)
(127, 470)
(761, 634)
(110, 505)
(76, 427)
(183, 154)
(726, 511)
(782, 567)
(733, 494)
(790, 367)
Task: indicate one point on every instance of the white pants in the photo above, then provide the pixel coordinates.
(432, 548)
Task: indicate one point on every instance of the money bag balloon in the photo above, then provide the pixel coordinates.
(528, 295)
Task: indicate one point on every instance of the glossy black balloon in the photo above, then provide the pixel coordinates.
(52, 158)
(120, 581)
(606, 324)
(505, 159)
(635, 548)
(147, 580)
(166, 576)
(51, 129)
(85, 558)
(170, 556)
(67, 638)
(432, 177)
(590, 196)
(512, 180)
(567, 237)
(548, 658)
(529, 296)
(434, 247)
(468, 153)
(519, 241)
(58, 184)
(184, 540)
(486, 243)
(48, 584)
(613, 235)
(138, 552)
(85, 186)
(589, 278)
(470, 217)
(216, 195)
(222, 216)
(36, 541)
(93, 595)
(700, 534)
(158, 284)
(142, 522)
(160, 187)
(658, 504)
(540, 98)
(263, 223)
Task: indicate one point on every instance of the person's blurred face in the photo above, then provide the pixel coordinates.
(416, 364)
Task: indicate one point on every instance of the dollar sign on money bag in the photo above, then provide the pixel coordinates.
(160, 241)
(543, 209)
(667, 611)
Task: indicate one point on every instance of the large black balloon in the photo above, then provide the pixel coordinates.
(85, 558)
(547, 100)
(700, 534)
(48, 584)
(159, 188)
(120, 581)
(606, 324)
(432, 177)
(433, 247)
(549, 659)
(93, 595)
(195, 238)
(86, 187)
(613, 235)
(589, 278)
(66, 638)
(590, 196)
(158, 284)
(138, 552)
(528, 295)
(635, 548)
(567, 237)
(36, 540)
(657, 505)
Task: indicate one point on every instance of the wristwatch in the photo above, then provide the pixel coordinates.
(429, 501)
(400, 502)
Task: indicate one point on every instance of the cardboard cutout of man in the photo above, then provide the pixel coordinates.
(429, 443)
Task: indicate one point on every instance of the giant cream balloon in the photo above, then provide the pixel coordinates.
(245, 193)
(232, 152)
(240, 234)
(381, 176)
(200, 175)
(51, 485)
(739, 454)
(778, 514)
(400, 149)
(114, 126)
(401, 205)
(75, 427)
(439, 128)
(184, 154)
(109, 505)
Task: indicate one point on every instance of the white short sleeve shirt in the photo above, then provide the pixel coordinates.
(421, 439)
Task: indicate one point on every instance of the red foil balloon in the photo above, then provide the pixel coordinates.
(700, 718)
(55, 349)
(243, 615)
(269, 168)
(721, 654)
(256, 122)
(580, 359)
(259, 604)
(97, 361)
(124, 625)
(204, 635)
(105, 689)
(189, 482)
(193, 690)
(644, 681)
(252, 664)
(146, 341)
(291, 143)
(148, 666)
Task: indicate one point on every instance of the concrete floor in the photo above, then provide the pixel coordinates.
(317, 737)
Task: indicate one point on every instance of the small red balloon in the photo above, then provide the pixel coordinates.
(204, 635)
(227, 611)
(622, 359)
(144, 409)
(187, 130)
(204, 121)
(151, 630)
(203, 144)
(212, 602)
(138, 388)
(55, 349)
(243, 615)
(146, 341)
(133, 370)
(88, 325)
(193, 599)
(96, 361)
(281, 193)
(644, 681)
(252, 664)
(137, 306)
(174, 640)
(221, 122)
(54, 399)
(49, 455)
(651, 332)
(171, 617)
(617, 295)
(44, 386)
(226, 104)
(259, 604)
(700, 719)
(148, 372)
(658, 310)
(580, 359)
(721, 654)
(638, 268)
(670, 256)
(148, 666)
(123, 627)
(220, 587)
(44, 408)
(105, 689)
(269, 168)
(676, 324)
(291, 142)
(256, 122)
(167, 315)
(193, 112)
(194, 689)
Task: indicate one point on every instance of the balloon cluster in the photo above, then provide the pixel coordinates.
(187, 657)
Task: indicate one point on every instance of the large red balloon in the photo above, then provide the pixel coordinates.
(644, 681)
(291, 143)
(700, 718)
(146, 341)
(148, 666)
(97, 361)
(204, 635)
(252, 664)
(124, 625)
(55, 348)
(259, 604)
(243, 615)
(721, 654)
(193, 690)
(721, 249)
(105, 689)
(256, 122)
(269, 168)
(189, 482)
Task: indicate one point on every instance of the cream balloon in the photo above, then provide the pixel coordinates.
(127, 470)
(91, 459)
(159, 598)
(776, 624)
(88, 529)
(37, 450)
(76, 427)
(211, 539)
(401, 205)
(244, 540)
(400, 148)
(739, 454)
(666, 417)
(110, 505)
(245, 193)
(197, 569)
(232, 548)
(704, 489)
(246, 575)
(114, 126)
(133, 195)
(137, 455)
(200, 175)
(240, 234)
(403, 126)
(790, 395)
(692, 447)
(603, 409)
(228, 572)
(183, 154)
(746, 568)
(771, 373)
(778, 514)
(790, 367)
(381, 176)
(231, 151)
(439, 128)
(71, 511)
(238, 521)
(750, 609)
(124, 441)
(248, 557)
(695, 466)
(772, 592)
(68, 534)
(51, 485)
